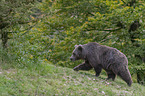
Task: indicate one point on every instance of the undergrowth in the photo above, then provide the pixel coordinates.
(44, 79)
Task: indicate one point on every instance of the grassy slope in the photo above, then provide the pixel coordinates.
(47, 80)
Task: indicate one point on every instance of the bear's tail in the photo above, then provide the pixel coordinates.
(125, 75)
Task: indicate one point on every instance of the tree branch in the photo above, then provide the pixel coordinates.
(112, 29)
(118, 28)
(123, 2)
(28, 29)
(25, 22)
(24, 30)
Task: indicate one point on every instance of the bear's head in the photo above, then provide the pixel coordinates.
(78, 53)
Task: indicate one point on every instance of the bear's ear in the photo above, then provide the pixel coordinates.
(83, 51)
(80, 47)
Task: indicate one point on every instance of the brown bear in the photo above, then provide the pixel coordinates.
(99, 56)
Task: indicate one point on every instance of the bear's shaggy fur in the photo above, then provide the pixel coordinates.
(99, 56)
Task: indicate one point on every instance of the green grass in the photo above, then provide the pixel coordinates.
(48, 80)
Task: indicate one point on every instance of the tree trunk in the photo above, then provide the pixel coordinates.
(140, 77)
(133, 27)
(4, 37)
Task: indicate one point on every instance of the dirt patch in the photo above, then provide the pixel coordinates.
(7, 71)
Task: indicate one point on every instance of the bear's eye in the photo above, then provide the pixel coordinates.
(74, 54)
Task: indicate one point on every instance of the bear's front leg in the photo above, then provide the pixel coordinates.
(98, 70)
(111, 75)
(83, 66)
(76, 68)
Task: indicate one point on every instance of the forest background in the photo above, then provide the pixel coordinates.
(33, 31)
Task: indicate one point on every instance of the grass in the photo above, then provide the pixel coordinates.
(49, 80)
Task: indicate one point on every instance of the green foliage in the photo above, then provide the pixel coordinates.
(65, 23)
(14, 12)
